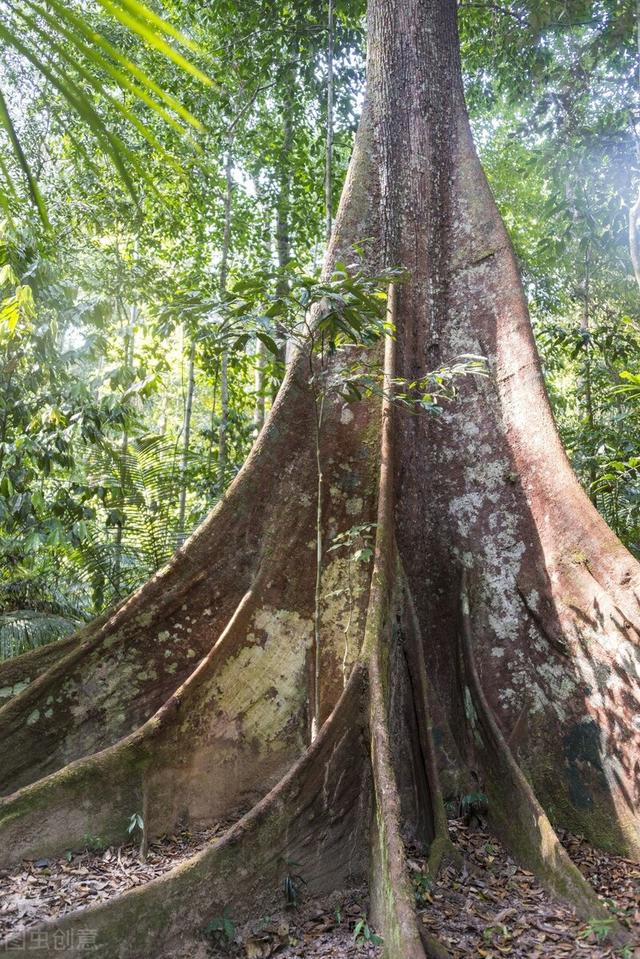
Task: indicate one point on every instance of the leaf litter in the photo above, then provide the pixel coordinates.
(488, 907)
(41, 889)
(332, 928)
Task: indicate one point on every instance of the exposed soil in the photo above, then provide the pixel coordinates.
(489, 907)
(486, 907)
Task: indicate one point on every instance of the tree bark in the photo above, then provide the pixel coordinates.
(585, 324)
(283, 208)
(128, 349)
(498, 616)
(634, 210)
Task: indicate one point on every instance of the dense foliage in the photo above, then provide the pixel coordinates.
(179, 225)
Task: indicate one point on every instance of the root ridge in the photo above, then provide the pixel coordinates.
(515, 813)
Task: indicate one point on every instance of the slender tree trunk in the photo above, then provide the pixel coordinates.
(498, 618)
(128, 340)
(634, 210)
(328, 176)
(224, 360)
(283, 207)
(224, 420)
(186, 440)
(259, 409)
(212, 424)
(585, 324)
(283, 216)
(634, 244)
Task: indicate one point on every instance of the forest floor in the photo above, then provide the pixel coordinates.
(487, 907)
(490, 907)
(47, 888)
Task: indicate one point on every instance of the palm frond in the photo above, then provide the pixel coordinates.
(140, 19)
(34, 190)
(24, 629)
(137, 531)
(128, 75)
(74, 58)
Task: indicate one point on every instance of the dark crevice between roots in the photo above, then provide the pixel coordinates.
(441, 849)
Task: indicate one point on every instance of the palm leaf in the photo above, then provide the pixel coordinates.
(24, 629)
(96, 85)
(75, 96)
(142, 12)
(79, 29)
(36, 196)
(144, 484)
(74, 58)
(136, 24)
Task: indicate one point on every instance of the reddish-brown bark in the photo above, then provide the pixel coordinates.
(495, 632)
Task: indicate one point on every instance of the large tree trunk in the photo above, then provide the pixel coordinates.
(496, 630)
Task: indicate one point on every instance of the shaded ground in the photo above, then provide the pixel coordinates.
(487, 907)
(334, 928)
(46, 888)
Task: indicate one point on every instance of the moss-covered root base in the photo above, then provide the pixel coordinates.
(317, 818)
(178, 764)
(515, 813)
